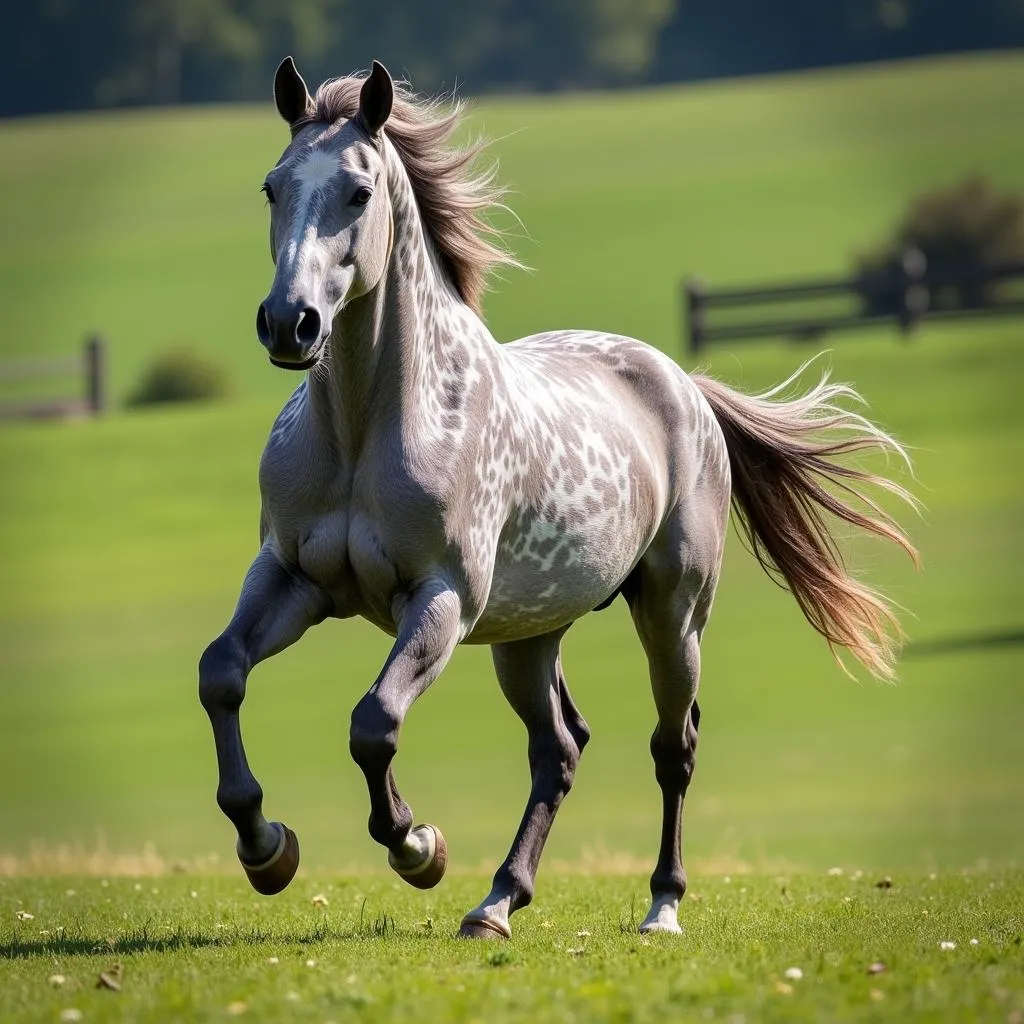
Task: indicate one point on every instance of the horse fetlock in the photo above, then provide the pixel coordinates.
(522, 893)
(422, 857)
(238, 799)
(261, 845)
(513, 888)
(392, 831)
(668, 882)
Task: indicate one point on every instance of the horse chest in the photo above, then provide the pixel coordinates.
(343, 536)
(322, 549)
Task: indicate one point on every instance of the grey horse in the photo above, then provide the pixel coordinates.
(452, 490)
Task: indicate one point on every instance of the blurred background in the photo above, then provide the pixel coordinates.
(673, 163)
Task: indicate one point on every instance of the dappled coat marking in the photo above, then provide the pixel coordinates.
(451, 489)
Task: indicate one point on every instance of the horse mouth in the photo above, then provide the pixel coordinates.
(304, 364)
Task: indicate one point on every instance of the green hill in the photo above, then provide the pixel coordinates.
(150, 225)
(124, 541)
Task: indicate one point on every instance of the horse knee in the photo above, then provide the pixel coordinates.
(373, 734)
(222, 674)
(554, 759)
(675, 755)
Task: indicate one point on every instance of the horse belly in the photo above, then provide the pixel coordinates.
(537, 589)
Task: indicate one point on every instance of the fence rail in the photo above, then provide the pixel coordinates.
(904, 295)
(90, 365)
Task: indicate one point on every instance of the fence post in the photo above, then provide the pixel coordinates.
(95, 374)
(914, 265)
(695, 297)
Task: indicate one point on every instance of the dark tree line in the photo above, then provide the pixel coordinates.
(76, 54)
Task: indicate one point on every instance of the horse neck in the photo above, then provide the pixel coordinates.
(391, 349)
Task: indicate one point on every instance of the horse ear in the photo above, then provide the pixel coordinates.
(376, 99)
(290, 93)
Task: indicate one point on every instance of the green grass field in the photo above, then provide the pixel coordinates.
(124, 543)
(201, 949)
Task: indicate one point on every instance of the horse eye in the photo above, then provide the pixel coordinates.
(267, 191)
(362, 196)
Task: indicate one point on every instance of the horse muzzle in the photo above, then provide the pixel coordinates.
(292, 333)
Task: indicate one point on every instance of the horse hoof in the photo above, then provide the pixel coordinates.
(274, 874)
(430, 870)
(483, 928)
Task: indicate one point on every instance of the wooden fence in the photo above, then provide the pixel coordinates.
(902, 295)
(90, 366)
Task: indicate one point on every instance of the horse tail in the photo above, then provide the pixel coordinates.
(789, 473)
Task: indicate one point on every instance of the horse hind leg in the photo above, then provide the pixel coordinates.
(673, 748)
(670, 607)
(530, 675)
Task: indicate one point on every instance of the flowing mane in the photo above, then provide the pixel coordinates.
(453, 199)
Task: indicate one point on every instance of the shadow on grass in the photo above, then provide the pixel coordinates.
(140, 940)
(964, 642)
(14, 948)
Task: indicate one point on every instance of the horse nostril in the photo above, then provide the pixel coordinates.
(307, 330)
(262, 324)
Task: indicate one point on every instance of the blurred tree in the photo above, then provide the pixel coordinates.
(163, 36)
(69, 54)
(707, 38)
(311, 30)
(180, 374)
(557, 43)
(954, 229)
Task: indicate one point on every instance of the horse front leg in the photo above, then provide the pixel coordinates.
(274, 609)
(429, 630)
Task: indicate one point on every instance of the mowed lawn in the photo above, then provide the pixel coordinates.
(124, 542)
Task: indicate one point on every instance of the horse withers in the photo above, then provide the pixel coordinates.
(454, 490)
